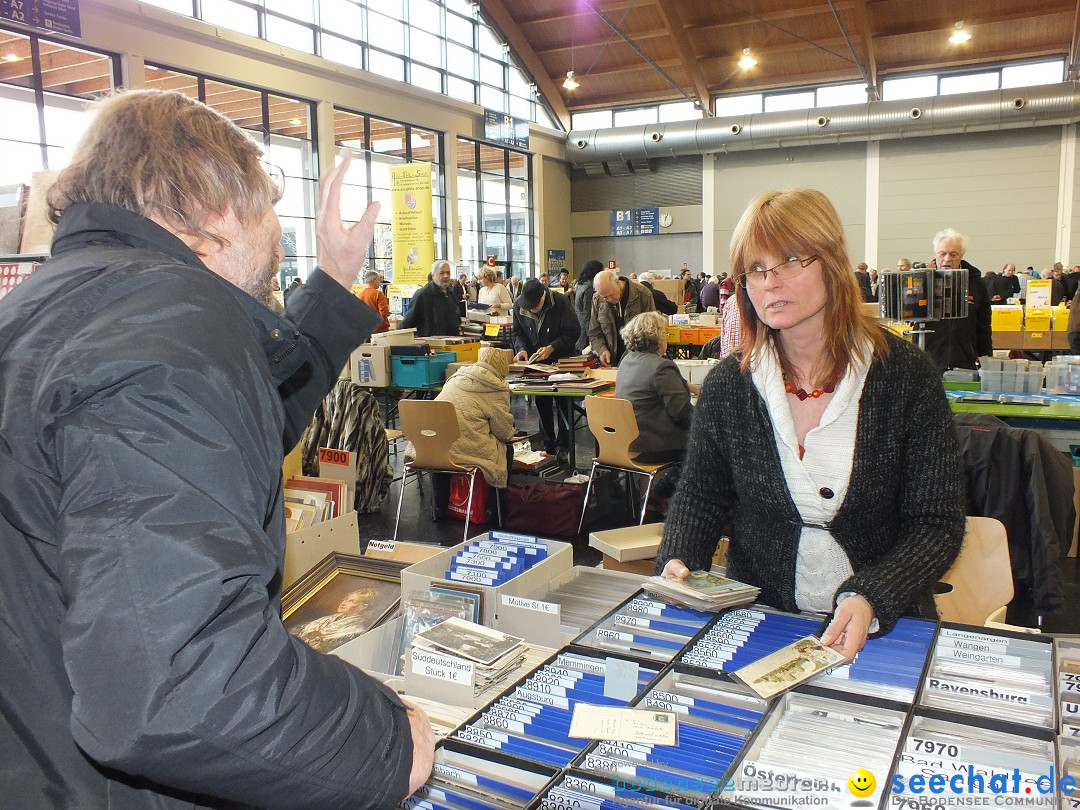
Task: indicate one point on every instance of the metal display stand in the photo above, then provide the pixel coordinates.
(920, 296)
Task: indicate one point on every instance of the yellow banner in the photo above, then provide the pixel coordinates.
(413, 226)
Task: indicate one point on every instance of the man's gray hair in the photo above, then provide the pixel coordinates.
(371, 275)
(949, 233)
(645, 332)
(439, 265)
(646, 277)
(608, 276)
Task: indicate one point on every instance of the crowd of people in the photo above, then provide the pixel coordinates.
(149, 393)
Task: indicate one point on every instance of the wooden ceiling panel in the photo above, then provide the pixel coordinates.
(796, 42)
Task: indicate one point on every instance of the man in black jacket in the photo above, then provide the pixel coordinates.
(433, 309)
(545, 329)
(959, 342)
(147, 398)
(663, 304)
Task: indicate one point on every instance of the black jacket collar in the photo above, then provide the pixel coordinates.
(101, 224)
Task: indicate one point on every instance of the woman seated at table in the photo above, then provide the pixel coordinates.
(825, 443)
(481, 397)
(659, 393)
(493, 293)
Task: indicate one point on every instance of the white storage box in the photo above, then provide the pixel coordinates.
(630, 543)
(419, 577)
(695, 371)
(370, 365)
(394, 337)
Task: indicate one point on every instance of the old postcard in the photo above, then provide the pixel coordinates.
(789, 666)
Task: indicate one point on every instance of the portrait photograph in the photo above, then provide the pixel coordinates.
(341, 598)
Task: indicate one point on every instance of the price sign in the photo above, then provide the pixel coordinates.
(341, 466)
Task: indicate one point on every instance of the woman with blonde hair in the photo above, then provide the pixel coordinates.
(493, 293)
(824, 445)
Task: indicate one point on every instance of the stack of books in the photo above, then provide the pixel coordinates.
(311, 500)
(578, 363)
(496, 656)
(703, 590)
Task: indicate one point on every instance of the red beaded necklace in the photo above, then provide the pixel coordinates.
(803, 394)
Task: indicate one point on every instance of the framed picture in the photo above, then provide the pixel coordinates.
(341, 598)
(476, 598)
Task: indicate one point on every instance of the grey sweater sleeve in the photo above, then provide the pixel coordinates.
(705, 494)
(931, 500)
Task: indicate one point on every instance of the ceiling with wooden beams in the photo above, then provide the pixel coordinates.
(698, 43)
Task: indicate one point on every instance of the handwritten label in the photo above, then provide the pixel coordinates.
(443, 667)
(530, 604)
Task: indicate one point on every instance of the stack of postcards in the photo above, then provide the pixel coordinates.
(703, 590)
(496, 656)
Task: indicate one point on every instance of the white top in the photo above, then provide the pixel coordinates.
(821, 565)
(496, 296)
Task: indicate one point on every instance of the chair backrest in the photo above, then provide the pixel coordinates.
(431, 426)
(980, 578)
(615, 427)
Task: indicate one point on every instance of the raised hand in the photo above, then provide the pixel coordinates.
(342, 251)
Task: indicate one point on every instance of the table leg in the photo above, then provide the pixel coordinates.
(564, 407)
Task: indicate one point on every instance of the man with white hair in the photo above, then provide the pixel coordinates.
(663, 303)
(959, 342)
(617, 300)
(433, 309)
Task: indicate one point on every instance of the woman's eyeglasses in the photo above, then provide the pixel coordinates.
(788, 269)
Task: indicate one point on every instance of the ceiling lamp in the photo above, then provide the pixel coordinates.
(570, 83)
(11, 57)
(959, 35)
(747, 60)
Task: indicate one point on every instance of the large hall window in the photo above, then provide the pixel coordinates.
(284, 128)
(495, 209)
(445, 46)
(378, 144)
(45, 90)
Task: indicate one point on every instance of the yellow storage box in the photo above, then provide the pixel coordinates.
(1006, 318)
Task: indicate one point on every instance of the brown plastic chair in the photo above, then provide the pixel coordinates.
(615, 428)
(432, 428)
(979, 583)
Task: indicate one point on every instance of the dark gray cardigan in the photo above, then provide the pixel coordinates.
(901, 522)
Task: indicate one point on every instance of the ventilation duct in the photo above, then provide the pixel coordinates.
(1047, 105)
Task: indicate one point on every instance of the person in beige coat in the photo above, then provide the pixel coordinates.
(482, 399)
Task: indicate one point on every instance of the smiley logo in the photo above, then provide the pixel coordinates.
(861, 783)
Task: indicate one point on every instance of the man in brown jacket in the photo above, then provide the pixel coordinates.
(617, 300)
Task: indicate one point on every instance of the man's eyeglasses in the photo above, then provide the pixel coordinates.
(788, 269)
(277, 176)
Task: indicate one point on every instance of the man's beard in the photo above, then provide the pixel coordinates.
(263, 290)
